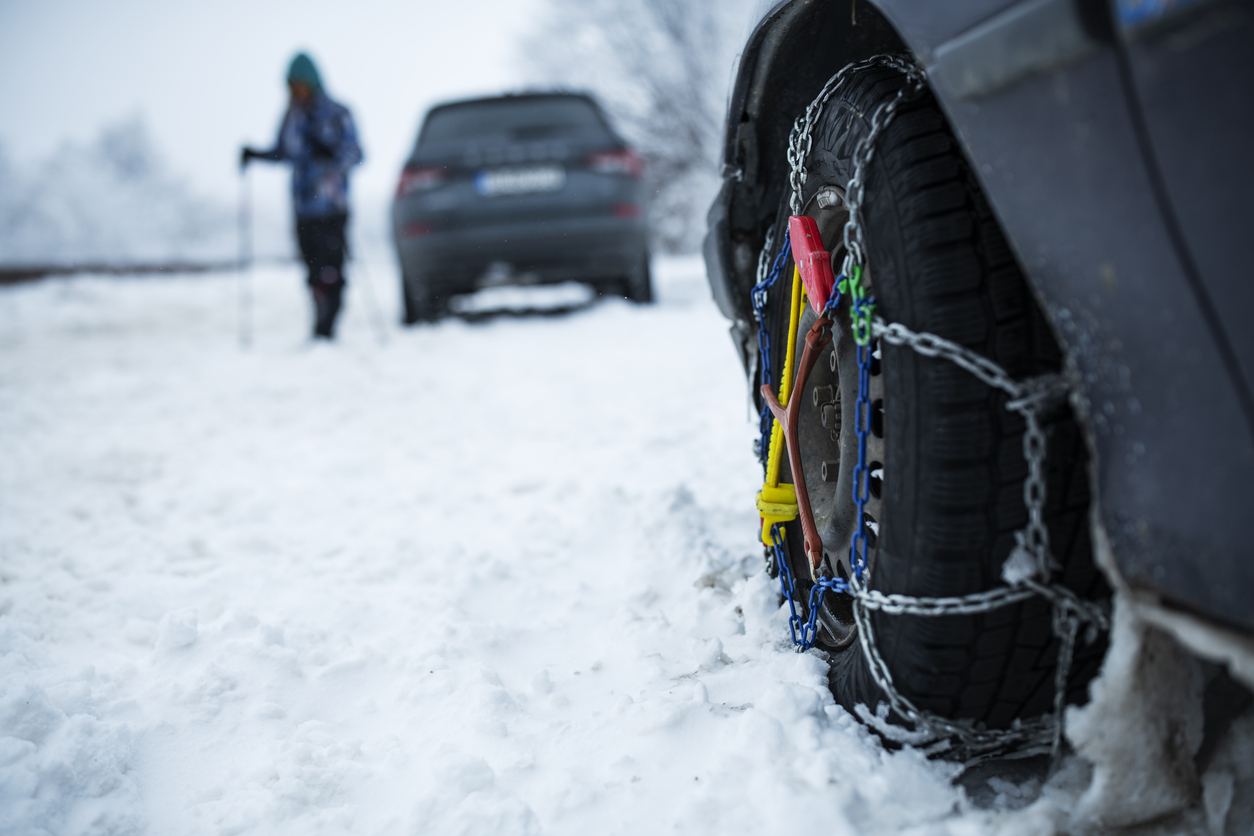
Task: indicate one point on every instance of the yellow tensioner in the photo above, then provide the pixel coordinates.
(777, 502)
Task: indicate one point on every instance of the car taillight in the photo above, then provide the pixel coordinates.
(621, 161)
(626, 210)
(420, 178)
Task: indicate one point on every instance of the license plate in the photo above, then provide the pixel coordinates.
(494, 182)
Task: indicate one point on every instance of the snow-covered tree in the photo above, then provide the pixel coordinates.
(662, 69)
(111, 201)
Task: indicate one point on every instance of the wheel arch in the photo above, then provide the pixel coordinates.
(777, 75)
(1060, 133)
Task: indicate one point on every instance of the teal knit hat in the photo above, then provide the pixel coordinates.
(304, 70)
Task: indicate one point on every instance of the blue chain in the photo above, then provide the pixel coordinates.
(803, 635)
(786, 587)
(829, 310)
(820, 588)
(758, 298)
(861, 426)
(861, 491)
(861, 483)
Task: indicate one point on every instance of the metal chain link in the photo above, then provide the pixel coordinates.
(1066, 626)
(760, 283)
(801, 137)
(795, 627)
(931, 345)
(1028, 398)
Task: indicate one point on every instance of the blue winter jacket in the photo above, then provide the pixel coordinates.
(320, 141)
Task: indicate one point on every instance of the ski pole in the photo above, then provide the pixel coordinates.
(245, 267)
(376, 313)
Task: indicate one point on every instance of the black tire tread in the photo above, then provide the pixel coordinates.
(953, 273)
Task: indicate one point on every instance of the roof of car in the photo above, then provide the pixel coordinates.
(548, 94)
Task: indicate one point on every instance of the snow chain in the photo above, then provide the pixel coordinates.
(1027, 571)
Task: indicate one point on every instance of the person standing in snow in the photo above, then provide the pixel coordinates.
(318, 137)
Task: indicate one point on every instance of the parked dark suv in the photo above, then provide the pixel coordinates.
(519, 189)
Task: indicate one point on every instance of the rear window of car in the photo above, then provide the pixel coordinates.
(514, 120)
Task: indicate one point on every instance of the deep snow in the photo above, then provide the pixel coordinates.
(491, 577)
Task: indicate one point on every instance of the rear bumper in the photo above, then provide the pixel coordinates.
(583, 249)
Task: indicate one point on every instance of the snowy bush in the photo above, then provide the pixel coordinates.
(109, 202)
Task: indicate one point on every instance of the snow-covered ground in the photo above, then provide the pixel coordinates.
(493, 576)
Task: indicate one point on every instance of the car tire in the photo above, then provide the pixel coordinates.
(947, 494)
(638, 286)
(420, 304)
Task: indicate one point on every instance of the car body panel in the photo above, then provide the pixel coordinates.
(1061, 148)
(536, 251)
(1194, 139)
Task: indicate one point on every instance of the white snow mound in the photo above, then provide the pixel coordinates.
(496, 576)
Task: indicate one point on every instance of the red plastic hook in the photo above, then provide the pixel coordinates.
(813, 262)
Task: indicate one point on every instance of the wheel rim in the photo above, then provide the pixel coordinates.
(828, 441)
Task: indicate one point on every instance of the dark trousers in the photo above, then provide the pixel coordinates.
(322, 246)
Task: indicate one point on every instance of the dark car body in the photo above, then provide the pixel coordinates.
(1111, 139)
(518, 189)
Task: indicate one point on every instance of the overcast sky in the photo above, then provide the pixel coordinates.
(207, 76)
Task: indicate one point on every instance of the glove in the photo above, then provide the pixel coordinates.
(245, 155)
